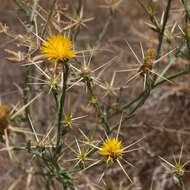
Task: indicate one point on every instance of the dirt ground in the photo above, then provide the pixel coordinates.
(164, 118)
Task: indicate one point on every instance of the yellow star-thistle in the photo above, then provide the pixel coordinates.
(177, 168)
(58, 48)
(112, 149)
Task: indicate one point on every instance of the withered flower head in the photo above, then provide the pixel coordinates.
(4, 118)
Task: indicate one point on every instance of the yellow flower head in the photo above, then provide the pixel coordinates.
(112, 149)
(58, 48)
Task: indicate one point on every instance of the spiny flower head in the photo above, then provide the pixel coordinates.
(112, 4)
(112, 149)
(58, 48)
(82, 156)
(177, 168)
(148, 61)
(85, 71)
(150, 54)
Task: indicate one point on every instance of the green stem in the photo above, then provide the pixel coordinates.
(172, 77)
(77, 31)
(187, 8)
(161, 34)
(181, 183)
(48, 19)
(186, 35)
(151, 16)
(95, 103)
(26, 96)
(171, 61)
(144, 94)
(139, 96)
(29, 13)
(32, 15)
(21, 7)
(101, 35)
(60, 103)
